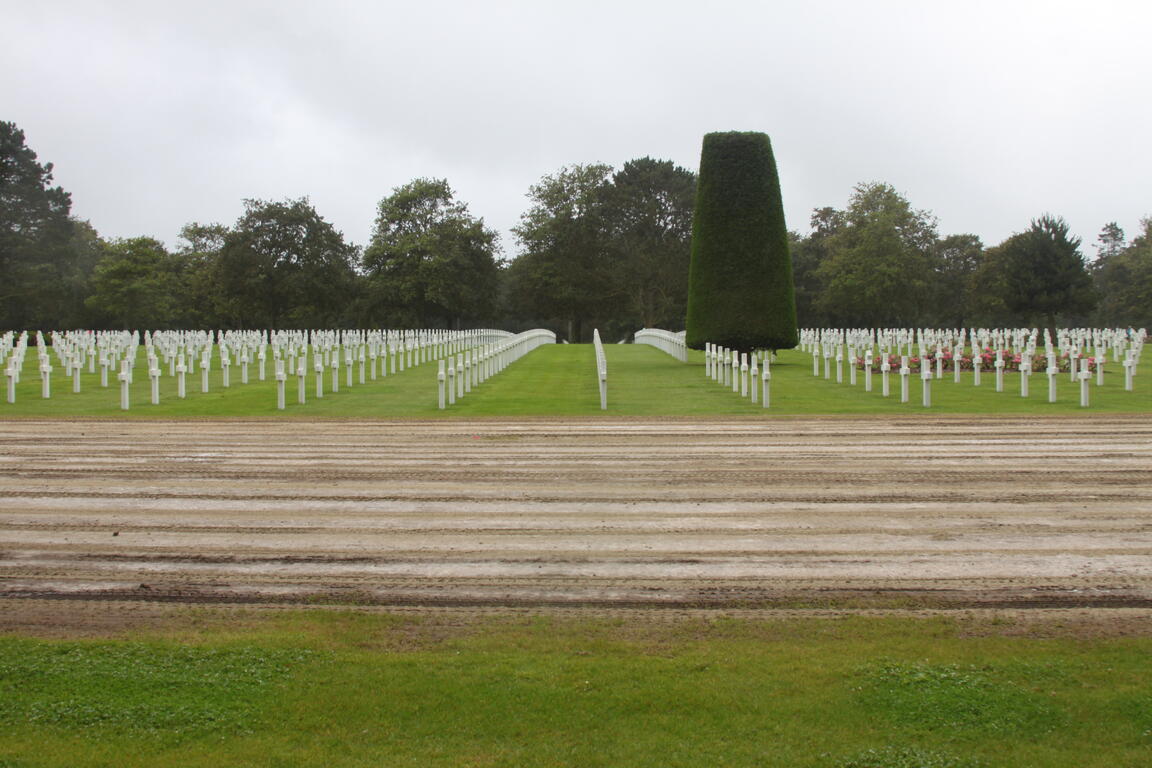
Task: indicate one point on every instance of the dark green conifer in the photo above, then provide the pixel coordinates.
(740, 292)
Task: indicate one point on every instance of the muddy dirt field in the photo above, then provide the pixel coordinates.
(624, 515)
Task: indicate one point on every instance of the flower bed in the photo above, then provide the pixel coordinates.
(987, 362)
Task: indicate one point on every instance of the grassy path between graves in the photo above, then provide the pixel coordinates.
(560, 380)
(215, 687)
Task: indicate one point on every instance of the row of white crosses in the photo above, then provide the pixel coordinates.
(463, 368)
(372, 352)
(831, 344)
(601, 368)
(666, 341)
(740, 371)
(12, 358)
(180, 351)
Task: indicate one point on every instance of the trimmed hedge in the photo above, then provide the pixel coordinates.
(740, 292)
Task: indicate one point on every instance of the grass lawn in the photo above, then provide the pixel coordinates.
(560, 380)
(365, 689)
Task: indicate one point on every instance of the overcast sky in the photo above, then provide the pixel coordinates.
(986, 113)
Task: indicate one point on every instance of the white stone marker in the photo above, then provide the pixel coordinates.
(76, 376)
(815, 360)
(349, 364)
(440, 379)
(244, 365)
(885, 367)
(851, 366)
(735, 377)
(1129, 367)
(468, 369)
(926, 382)
(827, 362)
(154, 376)
(868, 370)
(301, 381)
(319, 369)
(744, 374)
(261, 358)
(45, 378)
(205, 367)
(451, 380)
(765, 383)
(1052, 370)
(225, 366)
(1025, 372)
(939, 362)
(362, 359)
(977, 365)
(459, 375)
(335, 365)
(10, 374)
(280, 379)
(753, 377)
(839, 365)
(904, 371)
(104, 362)
(1085, 380)
(957, 356)
(1101, 358)
(125, 378)
(181, 372)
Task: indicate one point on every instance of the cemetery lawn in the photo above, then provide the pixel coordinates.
(213, 687)
(560, 380)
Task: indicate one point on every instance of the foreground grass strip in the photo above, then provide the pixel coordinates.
(354, 689)
(134, 687)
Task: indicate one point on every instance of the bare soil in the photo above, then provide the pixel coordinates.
(611, 516)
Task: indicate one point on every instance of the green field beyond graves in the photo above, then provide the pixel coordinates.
(339, 689)
(560, 380)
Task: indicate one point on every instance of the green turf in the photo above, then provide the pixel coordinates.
(346, 689)
(560, 380)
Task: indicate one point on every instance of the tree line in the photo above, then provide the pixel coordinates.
(597, 247)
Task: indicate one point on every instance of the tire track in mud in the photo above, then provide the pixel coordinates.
(949, 512)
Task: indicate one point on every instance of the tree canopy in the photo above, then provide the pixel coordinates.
(284, 266)
(40, 265)
(878, 263)
(430, 263)
(1044, 274)
(597, 247)
(562, 272)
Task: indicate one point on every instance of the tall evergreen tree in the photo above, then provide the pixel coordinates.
(740, 291)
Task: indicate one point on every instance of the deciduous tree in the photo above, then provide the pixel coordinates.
(430, 263)
(1123, 277)
(284, 266)
(880, 261)
(1045, 277)
(562, 273)
(134, 285)
(648, 216)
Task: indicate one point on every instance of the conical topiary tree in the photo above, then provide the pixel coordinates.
(740, 292)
